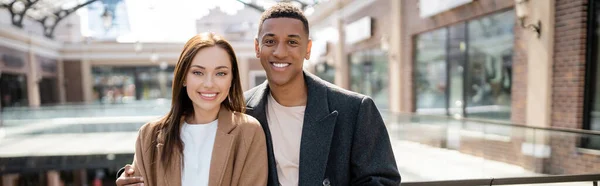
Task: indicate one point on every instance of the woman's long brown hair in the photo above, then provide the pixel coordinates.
(181, 104)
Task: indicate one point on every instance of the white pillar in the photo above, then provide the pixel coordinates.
(244, 68)
(33, 78)
(342, 77)
(87, 80)
(394, 58)
(60, 81)
(539, 62)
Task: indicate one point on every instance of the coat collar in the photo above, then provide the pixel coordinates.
(220, 155)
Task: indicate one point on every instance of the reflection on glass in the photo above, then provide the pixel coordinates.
(456, 59)
(491, 41)
(430, 72)
(369, 75)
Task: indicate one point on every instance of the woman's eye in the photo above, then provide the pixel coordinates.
(197, 73)
(221, 74)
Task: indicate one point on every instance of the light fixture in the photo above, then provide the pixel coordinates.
(522, 13)
(154, 57)
(107, 19)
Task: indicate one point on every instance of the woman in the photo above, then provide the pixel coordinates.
(205, 139)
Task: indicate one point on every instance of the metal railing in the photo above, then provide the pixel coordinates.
(594, 178)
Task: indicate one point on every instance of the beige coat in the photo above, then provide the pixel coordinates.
(239, 154)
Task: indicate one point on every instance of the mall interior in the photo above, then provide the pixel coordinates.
(473, 92)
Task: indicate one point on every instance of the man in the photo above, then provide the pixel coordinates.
(317, 133)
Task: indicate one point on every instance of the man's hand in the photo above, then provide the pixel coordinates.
(127, 178)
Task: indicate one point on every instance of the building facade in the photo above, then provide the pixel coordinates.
(474, 60)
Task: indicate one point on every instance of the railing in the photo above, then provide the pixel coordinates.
(442, 150)
(593, 178)
(429, 150)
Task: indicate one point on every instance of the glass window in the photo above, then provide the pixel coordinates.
(369, 75)
(593, 83)
(13, 90)
(325, 72)
(122, 84)
(430, 72)
(489, 70)
(465, 69)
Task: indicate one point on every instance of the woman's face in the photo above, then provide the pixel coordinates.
(209, 78)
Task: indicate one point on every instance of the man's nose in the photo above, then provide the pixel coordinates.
(280, 51)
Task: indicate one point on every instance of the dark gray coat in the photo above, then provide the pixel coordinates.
(344, 140)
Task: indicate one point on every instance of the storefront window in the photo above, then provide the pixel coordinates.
(13, 89)
(325, 72)
(430, 72)
(465, 69)
(122, 84)
(491, 41)
(369, 75)
(593, 82)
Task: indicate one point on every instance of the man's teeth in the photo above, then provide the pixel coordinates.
(209, 95)
(281, 65)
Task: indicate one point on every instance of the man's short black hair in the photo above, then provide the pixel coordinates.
(284, 10)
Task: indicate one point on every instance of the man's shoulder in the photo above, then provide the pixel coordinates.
(337, 93)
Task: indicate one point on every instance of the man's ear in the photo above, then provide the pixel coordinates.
(256, 47)
(308, 48)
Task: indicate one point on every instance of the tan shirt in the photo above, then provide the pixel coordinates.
(285, 124)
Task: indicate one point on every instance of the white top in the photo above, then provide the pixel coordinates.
(198, 141)
(285, 124)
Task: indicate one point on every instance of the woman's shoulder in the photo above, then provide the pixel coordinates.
(246, 121)
(150, 126)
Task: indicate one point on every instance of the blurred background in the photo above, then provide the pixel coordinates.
(469, 89)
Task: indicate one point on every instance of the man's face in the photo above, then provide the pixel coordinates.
(282, 45)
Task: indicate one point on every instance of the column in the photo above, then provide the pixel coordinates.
(53, 178)
(60, 81)
(87, 80)
(539, 62)
(10, 179)
(33, 78)
(81, 178)
(394, 59)
(342, 77)
(243, 69)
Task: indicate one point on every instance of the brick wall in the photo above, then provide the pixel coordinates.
(569, 63)
(568, 87)
(519, 78)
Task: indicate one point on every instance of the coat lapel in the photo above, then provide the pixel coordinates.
(222, 147)
(256, 106)
(172, 174)
(317, 132)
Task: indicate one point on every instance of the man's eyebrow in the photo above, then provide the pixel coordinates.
(269, 35)
(291, 35)
(295, 36)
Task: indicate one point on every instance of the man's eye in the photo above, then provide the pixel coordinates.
(269, 41)
(293, 42)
